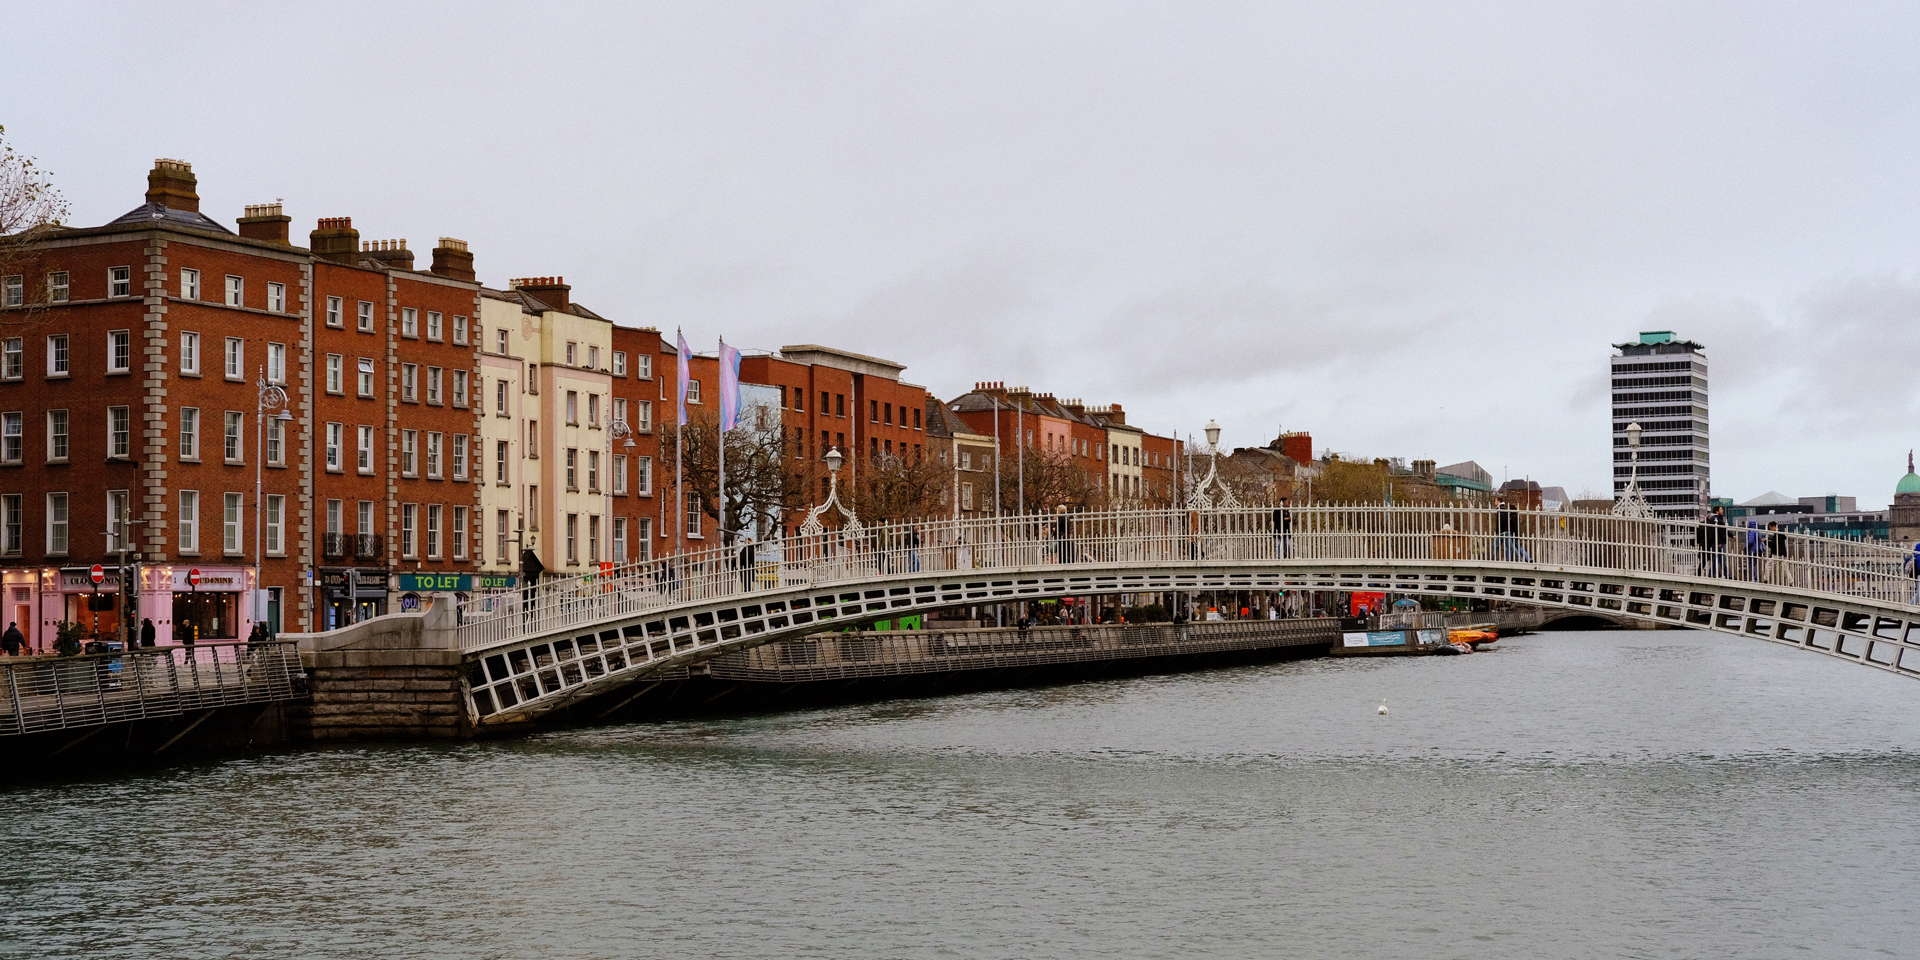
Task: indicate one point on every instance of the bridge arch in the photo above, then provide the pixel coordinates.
(574, 641)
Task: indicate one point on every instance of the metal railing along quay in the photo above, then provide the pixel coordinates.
(39, 694)
(1163, 538)
(837, 656)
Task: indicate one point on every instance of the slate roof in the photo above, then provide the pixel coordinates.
(152, 212)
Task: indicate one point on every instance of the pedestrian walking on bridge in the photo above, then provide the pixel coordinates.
(1283, 530)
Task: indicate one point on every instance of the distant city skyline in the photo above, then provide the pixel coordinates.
(1402, 229)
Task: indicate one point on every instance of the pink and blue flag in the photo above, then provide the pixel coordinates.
(686, 375)
(729, 387)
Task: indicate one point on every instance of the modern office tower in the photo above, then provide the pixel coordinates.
(1660, 382)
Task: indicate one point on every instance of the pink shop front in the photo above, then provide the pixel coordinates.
(215, 609)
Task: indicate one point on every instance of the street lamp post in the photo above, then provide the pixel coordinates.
(1633, 503)
(617, 429)
(272, 397)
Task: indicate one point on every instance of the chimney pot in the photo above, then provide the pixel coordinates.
(171, 184)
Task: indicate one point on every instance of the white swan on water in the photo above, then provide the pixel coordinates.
(1383, 708)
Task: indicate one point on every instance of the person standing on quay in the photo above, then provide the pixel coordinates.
(146, 632)
(12, 640)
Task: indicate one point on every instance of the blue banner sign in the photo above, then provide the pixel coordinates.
(1374, 638)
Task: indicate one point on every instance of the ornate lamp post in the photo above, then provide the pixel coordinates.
(1202, 497)
(617, 429)
(1632, 503)
(812, 527)
(271, 398)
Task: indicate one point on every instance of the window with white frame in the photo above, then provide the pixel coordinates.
(500, 341)
(573, 408)
(276, 363)
(119, 351)
(119, 281)
(335, 519)
(366, 449)
(459, 329)
(433, 454)
(235, 450)
(410, 530)
(593, 538)
(336, 312)
(573, 354)
(276, 445)
(693, 391)
(13, 438)
(365, 381)
(119, 433)
(59, 358)
(593, 470)
(643, 476)
(620, 411)
(276, 525)
(433, 385)
(642, 416)
(230, 538)
(189, 433)
(433, 324)
(336, 438)
(366, 518)
(459, 456)
(459, 530)
(593, 357)
(13, 358)
(57, 524)
(12, 523)
(433, 531)
(619, 475)
(366, 317)
(619, 363)
(643, 366)
(410, 382)
(58, 285)
(459, 388)
(500, 398)
(573, 466)
(693, 515)
(189, 352)
(236, 358)
(500, 462)
(501, 519)
(643, 536)
(189, 284)
(409, 453)
(236, 291)
(619, 539)
(58, 446)
(593, 410)
(189, 521)
(573, 539)
(334, 374)
(409, 321)
(13, 291)
(119, 511)
(277, 297)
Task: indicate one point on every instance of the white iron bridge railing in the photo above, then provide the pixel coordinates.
(1301, 537)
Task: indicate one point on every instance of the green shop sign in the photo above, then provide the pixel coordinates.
(455, 582)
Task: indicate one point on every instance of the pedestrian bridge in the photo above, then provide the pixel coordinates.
(535, 651)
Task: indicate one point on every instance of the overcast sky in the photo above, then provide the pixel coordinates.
(1412, 230)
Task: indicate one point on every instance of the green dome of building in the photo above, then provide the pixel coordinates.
(1909, 483)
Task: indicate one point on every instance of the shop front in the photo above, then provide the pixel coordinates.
(351, 594)
(21, 586)
(418, 591)
(73, 597)
(214, 608)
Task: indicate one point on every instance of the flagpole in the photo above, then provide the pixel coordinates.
(680, 418)
(720, 436)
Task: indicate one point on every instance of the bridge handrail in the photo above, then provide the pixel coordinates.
(1336, 532)
(42, 693)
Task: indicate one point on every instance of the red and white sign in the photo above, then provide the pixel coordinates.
(98, 573)
(193, 576)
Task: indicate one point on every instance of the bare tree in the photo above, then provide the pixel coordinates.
(893, 489)
(763, 481)
(1052, 480)
(30, 210)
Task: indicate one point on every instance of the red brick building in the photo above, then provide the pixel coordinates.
(143, 364)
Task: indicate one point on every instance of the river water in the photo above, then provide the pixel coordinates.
(1622, 794)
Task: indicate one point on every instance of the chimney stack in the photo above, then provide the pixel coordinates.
(334, 238)
(452, 260)
(265, 222)
(391, 253)
(552, 291)
(172, 185)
